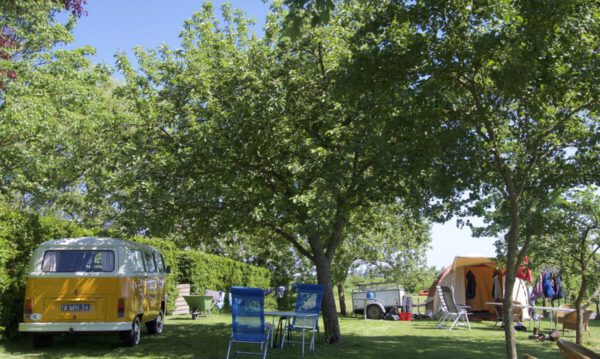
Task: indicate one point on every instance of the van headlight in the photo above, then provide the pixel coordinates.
(35, 316)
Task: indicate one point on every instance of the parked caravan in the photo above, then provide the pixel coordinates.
(94, 285)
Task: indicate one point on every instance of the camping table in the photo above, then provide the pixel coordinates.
(499, 304)
(552, 310)
(285, 316)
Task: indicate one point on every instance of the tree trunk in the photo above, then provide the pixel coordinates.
(330, 316)
(580, 295)
(342, 299)
(579, 325)
(512, 248)
(509, 330)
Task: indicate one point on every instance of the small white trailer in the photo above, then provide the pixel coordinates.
(377, 298)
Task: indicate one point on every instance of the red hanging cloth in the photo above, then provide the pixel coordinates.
(524, 272)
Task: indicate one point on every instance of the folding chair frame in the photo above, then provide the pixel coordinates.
(448, 315)
(252, 294)
(307, 323)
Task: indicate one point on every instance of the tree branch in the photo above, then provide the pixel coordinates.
(290, 238)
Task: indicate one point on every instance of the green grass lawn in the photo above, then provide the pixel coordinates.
(207, 338)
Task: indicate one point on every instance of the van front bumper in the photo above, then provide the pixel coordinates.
(74, 327)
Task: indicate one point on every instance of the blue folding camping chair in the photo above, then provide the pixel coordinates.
(248, 320)
(306, 319)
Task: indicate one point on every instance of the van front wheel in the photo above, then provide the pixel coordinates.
(156, 326)
(132, 337)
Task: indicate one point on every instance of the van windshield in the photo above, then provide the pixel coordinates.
(78, 261)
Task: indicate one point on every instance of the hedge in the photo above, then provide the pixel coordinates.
(206, 271)
(20, 233)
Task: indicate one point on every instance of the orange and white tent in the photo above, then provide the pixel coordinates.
(482, 271)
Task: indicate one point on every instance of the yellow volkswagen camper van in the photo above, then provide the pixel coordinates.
(94, 285)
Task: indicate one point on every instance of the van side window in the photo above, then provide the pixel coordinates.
(150, 265)
(138, 261)
(160, 264)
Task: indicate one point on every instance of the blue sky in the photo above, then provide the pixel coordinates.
(119, 25)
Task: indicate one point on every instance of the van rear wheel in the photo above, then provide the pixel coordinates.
(156, 326)
(132, 337)
(42, 340)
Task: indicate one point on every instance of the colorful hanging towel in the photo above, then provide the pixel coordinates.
(537, 291)
(547, 286)
(558, 290)
(524, 272)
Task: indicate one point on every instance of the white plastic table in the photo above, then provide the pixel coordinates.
(550, 309)
(552, 316)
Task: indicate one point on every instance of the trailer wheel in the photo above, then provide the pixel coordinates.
(374, 312)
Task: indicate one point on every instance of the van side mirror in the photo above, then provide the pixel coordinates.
(168, 270)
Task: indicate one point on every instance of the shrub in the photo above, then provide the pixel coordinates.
(206, 271)
(20, 233)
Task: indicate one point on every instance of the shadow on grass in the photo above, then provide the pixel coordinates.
(188, 340)
(185, 338)
(426, 346)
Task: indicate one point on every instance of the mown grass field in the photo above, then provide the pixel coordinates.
(208, 338)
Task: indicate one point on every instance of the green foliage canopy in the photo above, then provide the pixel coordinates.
(522, 78)
(236, 132)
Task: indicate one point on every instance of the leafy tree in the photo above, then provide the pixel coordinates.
(390, 238)
(257, 249)
(397, 246)
(20, 233)
(523, 79)
(30, 27)
(571, 242)
(318, 11)
(27, 29)
(236, 132)
(51, 109)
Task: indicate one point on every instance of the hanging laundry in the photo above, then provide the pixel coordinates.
(537, 291)
(524, 272)
(471, 285)
(269, 291)
(496, 286)
(547, 286)
(557, 286)
(280, 291)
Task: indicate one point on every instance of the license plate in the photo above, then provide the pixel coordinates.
(75, 307)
